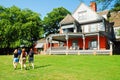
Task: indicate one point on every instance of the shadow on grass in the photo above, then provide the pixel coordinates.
(43, 66)
(35, 67)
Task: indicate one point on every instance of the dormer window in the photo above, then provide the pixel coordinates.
(82, 15)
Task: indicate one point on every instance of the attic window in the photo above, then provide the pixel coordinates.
(82, 15)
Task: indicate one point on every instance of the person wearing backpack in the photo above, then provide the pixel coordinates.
(31, 58)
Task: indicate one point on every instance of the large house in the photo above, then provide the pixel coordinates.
(83, 32)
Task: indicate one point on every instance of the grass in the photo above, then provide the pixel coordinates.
(64, 67)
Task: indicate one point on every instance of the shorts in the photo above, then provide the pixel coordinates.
(31, 60)
(15, 60)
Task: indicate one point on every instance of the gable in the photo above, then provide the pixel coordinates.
(85, 14)
(67, 20)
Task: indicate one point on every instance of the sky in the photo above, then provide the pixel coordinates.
(43, 6)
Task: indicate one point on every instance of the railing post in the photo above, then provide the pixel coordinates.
(50, 45)
(66, 52)
(78, 52)
(94, 53)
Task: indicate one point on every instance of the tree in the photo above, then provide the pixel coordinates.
(51, 21)
(116, 7)
(19, 27)
(106, 3)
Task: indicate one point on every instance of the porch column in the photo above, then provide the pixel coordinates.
(67, 41)
(50, 44)
(83, 42)
(111, 48)
(47, 42)
(67, 44)
(98, 41)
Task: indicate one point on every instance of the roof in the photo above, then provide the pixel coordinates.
(105, 12)
(115, 17)
(43, 40)
(39, 45)
(68, 19)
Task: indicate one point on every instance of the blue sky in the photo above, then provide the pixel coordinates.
(43, 6)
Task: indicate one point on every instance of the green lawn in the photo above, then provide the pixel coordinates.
(64, 67)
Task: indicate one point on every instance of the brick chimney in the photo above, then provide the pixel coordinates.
(93, 6)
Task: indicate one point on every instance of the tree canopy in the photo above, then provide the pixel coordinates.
(116, 7)
(19, 27)
(52, 19)
(107, 3)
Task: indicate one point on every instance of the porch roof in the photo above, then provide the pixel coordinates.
(62, 37)
(39, 45)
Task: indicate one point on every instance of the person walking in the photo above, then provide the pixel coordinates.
(31, 58)
(23, 58)
(19, 54)
(15, 58)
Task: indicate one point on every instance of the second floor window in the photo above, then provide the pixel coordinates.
(82, 15)
(67, 30)
(86, 28)
(101, 27)
(93, 28)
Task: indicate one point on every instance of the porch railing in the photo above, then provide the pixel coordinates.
(79, 52)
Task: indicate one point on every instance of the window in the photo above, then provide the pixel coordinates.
(101, 27)
(65, 31)
(93, 28)
(93, 44)
(82, 15)
(75, 44)
(68, 30)
(86, 28)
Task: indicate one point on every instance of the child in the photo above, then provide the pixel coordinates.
(31, 58)
(15, 58)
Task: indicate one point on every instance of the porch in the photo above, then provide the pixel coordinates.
(78, 43)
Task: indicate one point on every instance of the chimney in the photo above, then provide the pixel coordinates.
(93, 6)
